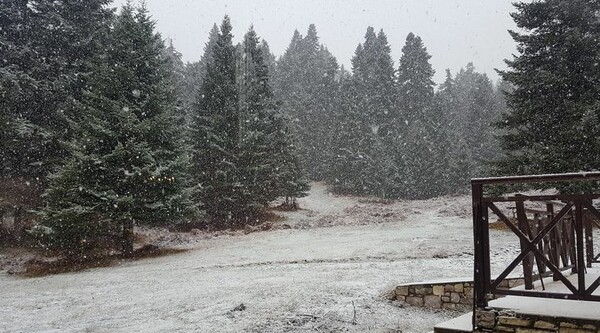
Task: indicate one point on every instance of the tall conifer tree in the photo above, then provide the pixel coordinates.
(127, 165)
(46, 47)
(267, 151)
(419, 149)
(215, 132)
(552, 123)
(305, 82)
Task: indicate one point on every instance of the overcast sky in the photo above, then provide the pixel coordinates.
(455, 32)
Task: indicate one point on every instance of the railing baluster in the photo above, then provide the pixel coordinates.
(528, 260)
(579, 243)
(589, 238)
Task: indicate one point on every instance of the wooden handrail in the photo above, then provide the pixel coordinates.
(544, 178)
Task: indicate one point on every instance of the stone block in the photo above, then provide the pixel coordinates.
(513, 321)
(507, 313)
(485, 319)
(448, 288)
(504, 329)
(454, 298)
(423, 290)
(402, 291)
(515, 282)
(401, 298)
(468, 292)
(450, 306)
(414, 300)
(530, 330)
(458, 288)
(432, 301)
(574, 330)
(438, 290)
(503, 284)
(568, 325)
(544, 325)
(446, 299)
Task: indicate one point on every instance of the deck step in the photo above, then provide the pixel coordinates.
(457, 325)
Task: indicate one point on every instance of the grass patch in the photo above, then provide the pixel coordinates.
(44, 267)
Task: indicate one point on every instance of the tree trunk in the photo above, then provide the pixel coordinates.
(127, 241)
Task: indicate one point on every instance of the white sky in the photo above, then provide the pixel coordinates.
(454, 31)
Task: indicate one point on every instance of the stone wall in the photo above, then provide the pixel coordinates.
(443, 295)
(503, 321)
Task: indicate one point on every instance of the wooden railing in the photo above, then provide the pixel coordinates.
(553, 239)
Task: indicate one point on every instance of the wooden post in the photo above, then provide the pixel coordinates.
(481, 243)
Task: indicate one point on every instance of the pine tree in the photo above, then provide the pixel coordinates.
(365, 124)
(46, 48)
(127, 165)
(468, 106)
(415, 78)
(373, 72)
(551, 126)
(305, 81)
(359, 162)
(419, 150)
(196, 72)
(257, 109)
(17, 84)
(215, 133)
(455, 159)
(267, 153)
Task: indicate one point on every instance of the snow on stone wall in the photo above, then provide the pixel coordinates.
(443, 295)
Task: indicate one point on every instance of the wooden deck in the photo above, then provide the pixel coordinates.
(555, 309)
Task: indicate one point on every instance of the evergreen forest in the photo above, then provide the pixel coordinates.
(105, 128)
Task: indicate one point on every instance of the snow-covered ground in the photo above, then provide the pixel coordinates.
(333, 266)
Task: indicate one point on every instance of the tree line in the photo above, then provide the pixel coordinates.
(102, 118)
(384, 130)
(98, 114)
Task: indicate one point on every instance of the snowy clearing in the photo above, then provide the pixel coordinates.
(332, 267)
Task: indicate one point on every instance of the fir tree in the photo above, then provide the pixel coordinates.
(305, 82)
(468, 105)
(359, 163)
(373, 72)
(46, 50)
(551, 126)
(415, 78)
(365, 124)
(215, 133)
(257, 109)
(276, 171)
(419, 150)
(196, 72)
(127, 165)
(17, 86)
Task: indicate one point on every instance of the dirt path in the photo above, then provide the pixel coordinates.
(341, 257)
